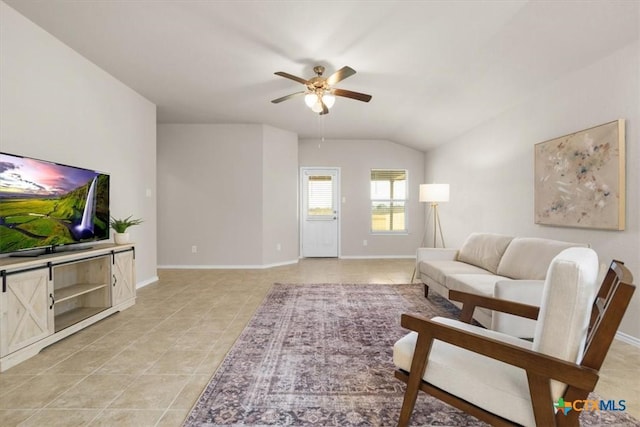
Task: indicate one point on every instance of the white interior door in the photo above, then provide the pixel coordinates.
(320, 214)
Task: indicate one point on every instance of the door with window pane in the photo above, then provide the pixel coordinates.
(320, 212)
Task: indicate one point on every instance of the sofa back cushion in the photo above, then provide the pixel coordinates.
(484, 250)
(529, 257)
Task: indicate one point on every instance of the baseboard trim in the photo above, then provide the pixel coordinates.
(378, 256)
(626, 338)
(144, 283)
(226, 267)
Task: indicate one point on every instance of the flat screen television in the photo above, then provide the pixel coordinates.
(44, 205)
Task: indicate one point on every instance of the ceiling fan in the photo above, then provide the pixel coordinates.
(320, 93)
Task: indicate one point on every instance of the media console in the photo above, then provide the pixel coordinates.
(46, 299)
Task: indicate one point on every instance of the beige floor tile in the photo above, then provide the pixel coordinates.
(177, 362)
(196, 341)
(61, 418)
(211, 362)
(151, 392)
(173, 418)
(13, 417)
(47, 358)
(190, 393)
(9, 382)
(83, 362)
(131, 361)
(113, 340)
(127, 418)
(155, 341)
(95, 391)
(38, 391)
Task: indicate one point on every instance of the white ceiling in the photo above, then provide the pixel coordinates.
(436, 69)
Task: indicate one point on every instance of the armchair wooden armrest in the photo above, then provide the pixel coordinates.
(471, 301)
(529, 360)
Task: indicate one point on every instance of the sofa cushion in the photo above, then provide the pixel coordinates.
(529, 257)
(438, 270)
(484, 250)
(523, 291)
(479, 284)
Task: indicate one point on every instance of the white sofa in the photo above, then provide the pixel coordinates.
(511, 268)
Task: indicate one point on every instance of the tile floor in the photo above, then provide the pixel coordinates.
(146, 366)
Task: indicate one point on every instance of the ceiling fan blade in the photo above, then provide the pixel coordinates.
(284, 98)
(353, 95)
(325, 109)
(339, 75)
(291, 76)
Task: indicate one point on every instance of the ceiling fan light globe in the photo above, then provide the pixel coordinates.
(328, 100)
(317, 107)
(311, 99)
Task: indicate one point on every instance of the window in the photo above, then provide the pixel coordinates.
(320, 194)
(388, 200)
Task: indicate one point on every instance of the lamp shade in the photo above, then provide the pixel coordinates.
(434, 193)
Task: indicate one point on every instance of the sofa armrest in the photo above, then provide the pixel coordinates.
(430, 254)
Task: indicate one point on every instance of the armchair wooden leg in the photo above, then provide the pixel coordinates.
(571, 419)
(540, 397)
(418, 366)
(426, 291)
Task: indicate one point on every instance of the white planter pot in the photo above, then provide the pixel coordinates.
(121, 238)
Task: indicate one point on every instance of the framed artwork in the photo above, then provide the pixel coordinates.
(580, 179)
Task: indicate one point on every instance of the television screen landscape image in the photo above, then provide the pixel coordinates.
(45, 204)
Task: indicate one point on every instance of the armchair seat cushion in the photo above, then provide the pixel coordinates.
(493, 385)
(438, 270)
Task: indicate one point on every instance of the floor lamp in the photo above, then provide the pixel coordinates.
(434, 194)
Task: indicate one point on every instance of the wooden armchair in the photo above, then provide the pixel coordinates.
(504, 380)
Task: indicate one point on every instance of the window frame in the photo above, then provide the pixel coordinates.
(390, 202)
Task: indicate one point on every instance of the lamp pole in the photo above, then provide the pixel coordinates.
(436, 225)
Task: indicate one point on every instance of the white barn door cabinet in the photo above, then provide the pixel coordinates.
(50, 297)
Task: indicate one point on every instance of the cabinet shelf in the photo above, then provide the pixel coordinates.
(74, 316)
(73, 291)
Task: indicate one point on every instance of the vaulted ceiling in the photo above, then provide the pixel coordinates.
(436, 69)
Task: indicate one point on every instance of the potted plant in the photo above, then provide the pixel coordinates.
(120, 227)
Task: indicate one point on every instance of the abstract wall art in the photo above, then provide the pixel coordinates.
(580, 179)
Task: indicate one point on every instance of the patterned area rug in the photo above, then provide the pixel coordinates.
(321, 355)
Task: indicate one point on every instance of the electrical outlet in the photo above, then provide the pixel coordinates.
(365, 243)
(194, 249)
(278, 247)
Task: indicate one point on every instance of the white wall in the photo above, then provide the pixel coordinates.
(356, 158)
(211, 184)
(58, 106)
(490, 169)
(279, 202)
